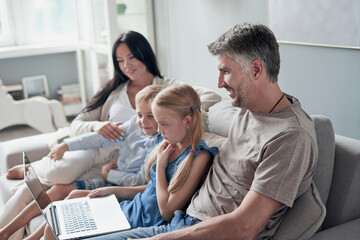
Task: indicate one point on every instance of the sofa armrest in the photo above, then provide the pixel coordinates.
(344, 192)
(349, 230)
(35, 147)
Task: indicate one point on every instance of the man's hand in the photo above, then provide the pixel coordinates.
(57, 151)
(106, 168)
(108, 129)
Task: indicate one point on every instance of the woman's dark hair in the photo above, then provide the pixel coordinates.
(141, 50)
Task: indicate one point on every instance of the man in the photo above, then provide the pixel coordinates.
(268, 159)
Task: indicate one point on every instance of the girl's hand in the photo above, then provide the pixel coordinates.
(100, 192)
(106, 168)
(163, 154)
(57, 151)
(108, 129)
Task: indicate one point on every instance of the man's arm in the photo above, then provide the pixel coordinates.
(243, 223)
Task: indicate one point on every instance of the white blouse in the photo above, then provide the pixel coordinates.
(121, 110)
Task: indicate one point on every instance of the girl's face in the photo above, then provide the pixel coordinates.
(172, 127)
(145, 118)
(128, 64)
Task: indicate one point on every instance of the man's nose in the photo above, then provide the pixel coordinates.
(220, 81)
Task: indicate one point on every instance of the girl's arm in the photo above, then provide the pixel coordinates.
(167, 202)
(121, 193)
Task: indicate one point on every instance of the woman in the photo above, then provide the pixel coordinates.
(135, 67)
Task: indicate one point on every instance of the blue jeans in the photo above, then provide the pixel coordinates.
(180, 220)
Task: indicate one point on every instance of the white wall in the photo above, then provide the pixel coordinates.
(326, 80)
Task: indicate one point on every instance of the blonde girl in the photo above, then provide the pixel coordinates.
(177, 166)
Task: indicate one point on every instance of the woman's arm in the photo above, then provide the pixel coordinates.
(167, 202)
(121, 193)
(85, 121)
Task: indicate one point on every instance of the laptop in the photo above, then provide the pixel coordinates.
(78, 217)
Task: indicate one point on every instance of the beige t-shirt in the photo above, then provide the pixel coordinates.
(273, 154)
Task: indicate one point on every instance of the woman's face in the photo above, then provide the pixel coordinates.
(128, 64)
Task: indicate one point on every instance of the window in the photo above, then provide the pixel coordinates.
(38, 21)
(6, 38)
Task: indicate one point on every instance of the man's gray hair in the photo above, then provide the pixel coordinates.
(247, 42)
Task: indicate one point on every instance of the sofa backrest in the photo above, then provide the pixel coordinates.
(326, 146)
(308, 212)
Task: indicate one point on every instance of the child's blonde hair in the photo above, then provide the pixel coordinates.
(183, 100)
(148, 93)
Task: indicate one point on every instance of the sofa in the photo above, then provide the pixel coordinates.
(330, 209)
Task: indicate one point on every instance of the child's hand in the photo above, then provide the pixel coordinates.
(57, 151)
(163, 154)
(106, 168)
(108, 129)
(100, 192)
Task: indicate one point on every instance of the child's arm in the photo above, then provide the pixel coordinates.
(121, 193)
(167, 202)
(89, 141)
(83, 142)
(126, 178)
(57, 151)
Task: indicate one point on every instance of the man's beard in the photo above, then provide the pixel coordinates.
(238, 100)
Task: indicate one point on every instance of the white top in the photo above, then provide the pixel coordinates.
(121, 110)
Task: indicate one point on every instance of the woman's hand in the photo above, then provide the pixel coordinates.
(108, 129)
(57, 151)
(163, 154)
(107, 167)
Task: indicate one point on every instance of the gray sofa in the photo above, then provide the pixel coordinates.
(330, 209)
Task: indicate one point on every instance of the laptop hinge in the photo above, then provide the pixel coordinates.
(54, 220)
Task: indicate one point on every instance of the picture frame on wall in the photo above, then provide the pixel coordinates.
(35, 86)
(328, 23)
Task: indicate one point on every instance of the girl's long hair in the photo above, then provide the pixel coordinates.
(141, 50)
(183, 100)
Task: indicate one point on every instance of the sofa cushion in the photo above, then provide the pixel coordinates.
(35, 147)
(207, 97)
(213, 140)
(349, 230)
(219, 117)
(304, 218)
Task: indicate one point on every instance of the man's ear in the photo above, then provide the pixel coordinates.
(257, 68)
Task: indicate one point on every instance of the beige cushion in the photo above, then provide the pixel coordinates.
(220, 116)
(207, 97)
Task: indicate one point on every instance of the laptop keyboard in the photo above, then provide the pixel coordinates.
(78, 217)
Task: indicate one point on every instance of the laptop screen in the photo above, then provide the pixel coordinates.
(34, 185)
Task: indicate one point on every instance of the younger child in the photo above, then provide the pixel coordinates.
(175, 170)
(140, 136)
